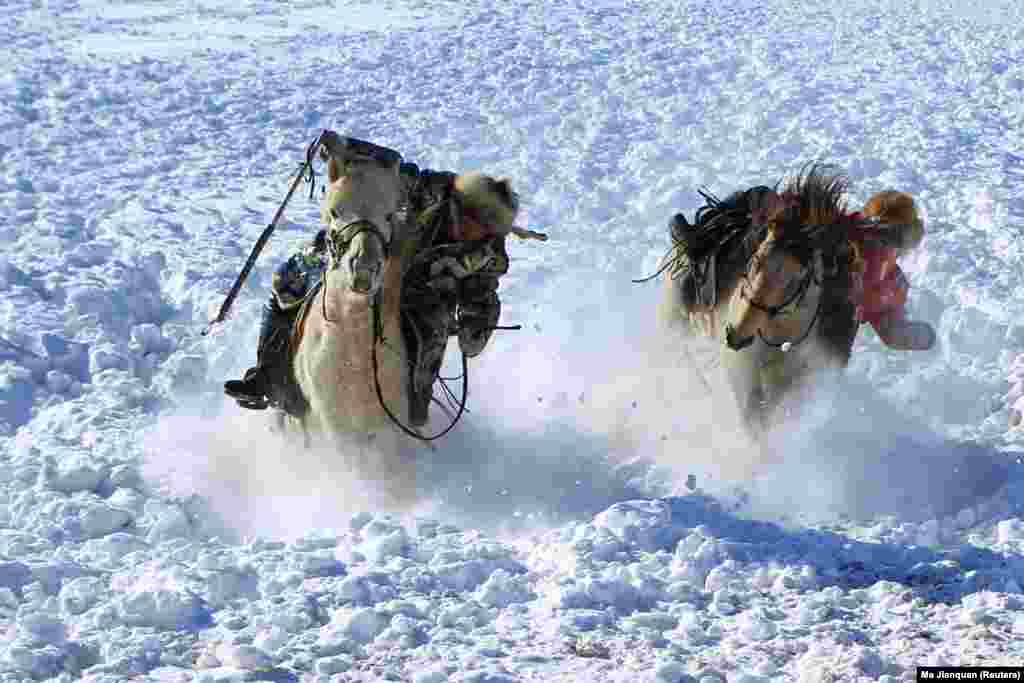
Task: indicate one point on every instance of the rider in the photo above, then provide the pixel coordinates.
(880, 287)
(450, 286)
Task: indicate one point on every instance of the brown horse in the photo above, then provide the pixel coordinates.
(779, 295)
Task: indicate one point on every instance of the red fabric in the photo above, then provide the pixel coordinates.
(477, 229)
(880, 289)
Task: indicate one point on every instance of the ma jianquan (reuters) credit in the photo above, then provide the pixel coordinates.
(970, 673)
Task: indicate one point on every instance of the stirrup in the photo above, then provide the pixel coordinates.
(250, 401)
(252, 404)
(249, 396)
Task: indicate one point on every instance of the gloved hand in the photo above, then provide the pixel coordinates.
(479, 307)
(477, 320)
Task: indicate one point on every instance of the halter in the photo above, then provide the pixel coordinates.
(798, 340)
(338, 242)
(793, 302)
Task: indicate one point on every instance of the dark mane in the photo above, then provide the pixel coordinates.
(714, 251)
(819, 194)
(818, 221)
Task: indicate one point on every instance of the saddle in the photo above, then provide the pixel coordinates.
(708, 246)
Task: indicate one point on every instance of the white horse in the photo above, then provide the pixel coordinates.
(348, 355)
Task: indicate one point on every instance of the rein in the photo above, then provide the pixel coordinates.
(800, 339)
(795, 300)
(336, 247)
(378, 338)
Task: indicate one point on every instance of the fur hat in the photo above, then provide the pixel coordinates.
(493, 200)
(892, 206)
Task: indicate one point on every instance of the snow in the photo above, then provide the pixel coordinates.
(151, 530)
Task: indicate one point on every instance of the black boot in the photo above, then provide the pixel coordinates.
(479, 309)
(477, 319)
(254, 389)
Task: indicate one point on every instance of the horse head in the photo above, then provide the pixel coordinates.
(779, 296)
(362, 196)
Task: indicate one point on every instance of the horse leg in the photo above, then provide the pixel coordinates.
(379, 459)
(744, 377)
(280, 423)
(293, 428)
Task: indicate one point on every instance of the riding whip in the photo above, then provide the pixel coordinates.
(524, 234)
(307, 167)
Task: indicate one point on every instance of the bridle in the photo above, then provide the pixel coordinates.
(792, 303)
(338, 242)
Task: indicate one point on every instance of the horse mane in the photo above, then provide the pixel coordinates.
(817, 218)
(816, 199)
(719, 244)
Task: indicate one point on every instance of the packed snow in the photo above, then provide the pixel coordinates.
(596, 516)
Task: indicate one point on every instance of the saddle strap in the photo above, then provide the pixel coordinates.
(299, 326)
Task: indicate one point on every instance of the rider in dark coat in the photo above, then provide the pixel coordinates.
(449, 288)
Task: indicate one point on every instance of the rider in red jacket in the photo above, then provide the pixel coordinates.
(880, 288)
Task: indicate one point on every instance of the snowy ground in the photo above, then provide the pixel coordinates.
(150, 530)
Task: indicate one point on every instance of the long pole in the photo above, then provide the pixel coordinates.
(262, 241)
